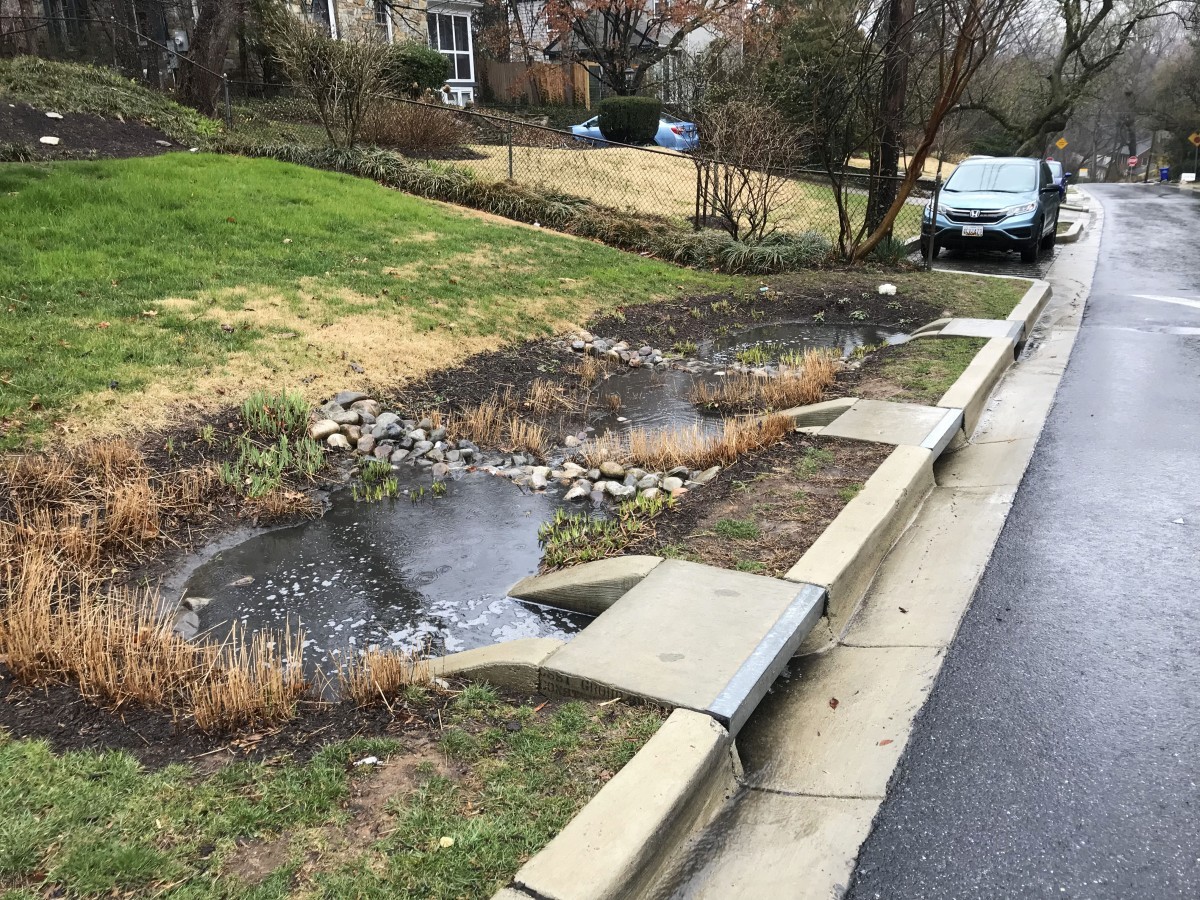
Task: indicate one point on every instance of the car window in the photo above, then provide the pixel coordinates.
(1056, 168)
(670, 120)
(591, 123)
(1003, 177)
(1047, 176)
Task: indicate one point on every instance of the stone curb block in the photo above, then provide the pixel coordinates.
(515, 665)
(1031, 305)
(1072, 234)
(973, 387)
(591, 588)
(845, 558)
(616, 845)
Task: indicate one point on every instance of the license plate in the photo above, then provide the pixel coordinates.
(972, 231)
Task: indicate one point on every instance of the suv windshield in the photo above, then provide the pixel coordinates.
(1002, 177)
(1056, 168)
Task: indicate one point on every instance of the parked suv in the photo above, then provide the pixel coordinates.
(1003, 203)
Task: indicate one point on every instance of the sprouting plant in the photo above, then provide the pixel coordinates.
(812, 461)
(169, 446)
(894, 304)
(274, 415)
(758, 355)
(850, 491)
(793, 358)
(439, 489)
(819, 316)
(571, 538)
(208, 435)
(376, 471)
(685, 348)
(859, 315)
(721, 331)
(721, 306)
(695, 312)
(737, 529)
(417, 496)
(619, 317)
(757, 315)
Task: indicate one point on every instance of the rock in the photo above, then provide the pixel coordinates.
(406, 442)
(366, 418)
(706, 476)
(518, 459)
(593, 474)
(586, 335)
(398, 457)
(437, 454)
(611, 469)
(600, 346)
(425, 424)
(53, 115)
(345, 398)
(195, 604)
(578, 345)
(635, 362)
(383, 451)
(346, 417)
(672, 483)
(621, 346)
(619, 491)
(420, 448)
(679, 492)
(390, 432)
(647, 482)
(329, 409)
(572, 470)
(467, 445)
(337, 442)
(366, 444)
(387, 418)
(352, 433)
(439, 471)
(468, 454)
(453, 455)
(438, 434)
(370, 407)
(571, 441)
(645, 351)
(544, 471)
(48, 139)
(613, 355)
(187, 623)
(630, 480)
(679, 472)
(651, 493)
(624, 355)
(538, 481)
(579, 490)
(425, 463)
(419, 434)
(318, 431)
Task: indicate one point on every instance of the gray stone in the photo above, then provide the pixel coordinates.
(387, 418)
(611, 469)
(366, 444)
(538, 481)
(468, 454)
(419, 434)
(383, 451)
(352, 433)
(600, 346)
(672, 483)
(518, 459)
(318, 431)
(453, 455)
(425, 463)
(651, 493)
(406, 442)
(467, 445)
(645, 351)
(328, 409)
(621, 346)
(337, 442)
(646, 482)
(195, 604)
(578, 345)
(439, 471)
(425, 424)
(579, 490)
(593, 474)
(572, 470)
(436, 454)
(571, 441)
(635, 362)
(679, 472)
(346, 417)
(409, 424)
(370, 407)
(398, 457)
(630, 480)
(613, 355)
(367, 418)
(707, 475)
(345, 398)
(438, 434)
(420, 448)
(618, 491)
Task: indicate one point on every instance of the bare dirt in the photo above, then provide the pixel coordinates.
(81, 135)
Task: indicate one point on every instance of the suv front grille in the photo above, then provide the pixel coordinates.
(981, 217)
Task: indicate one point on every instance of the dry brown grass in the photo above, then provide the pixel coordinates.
(282, 503)
(375, 676)
(591, 369)
(527, 436)
(251, 680)
(613, 402)
(793, 386)
(692, 447)
(496, 423)
(544, 397)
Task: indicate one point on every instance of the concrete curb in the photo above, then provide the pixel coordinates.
(591, 588)
(973, 387)
(846, 557)
(1072, 234)
(616, 845)
(1030, 306)
(515, 665)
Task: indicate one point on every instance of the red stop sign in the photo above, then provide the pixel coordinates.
(1133, 161)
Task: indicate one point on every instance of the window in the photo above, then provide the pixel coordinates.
(383, 18)
(322, 12)
(450, 35)
(1001, 177)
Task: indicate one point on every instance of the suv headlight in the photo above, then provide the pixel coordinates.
(1021, 209)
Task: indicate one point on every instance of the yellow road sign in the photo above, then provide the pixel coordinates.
(1194, 137)
(1061, 143)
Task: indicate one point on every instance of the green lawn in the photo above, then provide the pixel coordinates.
(197, 276)
(453, 822)
(925, 368)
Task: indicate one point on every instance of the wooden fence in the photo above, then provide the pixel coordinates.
(537, 83)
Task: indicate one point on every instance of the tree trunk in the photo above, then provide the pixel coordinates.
(885, 157)
(200, 85)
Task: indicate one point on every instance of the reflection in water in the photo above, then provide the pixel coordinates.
(394, 573)
(779, 339)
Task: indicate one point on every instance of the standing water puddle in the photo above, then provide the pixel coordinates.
(434, 573)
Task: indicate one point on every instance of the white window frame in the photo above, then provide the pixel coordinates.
(331, 9)
(455, 52)
(387, 17)
(461, 96)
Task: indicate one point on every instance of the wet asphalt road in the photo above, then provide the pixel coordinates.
(1059, 753)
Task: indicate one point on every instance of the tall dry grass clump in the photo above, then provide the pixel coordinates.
(693, 447)
(375, 675)
(796, 385)
(497, 423)
(251, 680)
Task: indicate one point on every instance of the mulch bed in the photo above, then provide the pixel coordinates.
(788, 502)
(81, 135)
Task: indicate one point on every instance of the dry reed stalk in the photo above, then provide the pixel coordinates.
(190, 487)
(544, 397)
(131, 515)
(590, 370)
(376, 675)
(527, 436)
(255, 681)
(281, 503)
(793, 386)
(613, 402)
(692, 447)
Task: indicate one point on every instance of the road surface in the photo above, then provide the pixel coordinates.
(1059, 752)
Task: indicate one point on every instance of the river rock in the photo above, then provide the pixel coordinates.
(619, 491)
(613, 355)
(572, 470)
(438, 434)
(706, 476)
(419, 434)
(593, 474)
(187, 623)
(630, 479)
(387, 418)
(611, 469)
(635, 362)
(366, 444)
(318, 431)
(679, 472)
(370, 407)
(398, 457)
(345, 398)
(439, 471)
(195, 604)
(518, 459)
(578, 345)
(600, 346)
(467, 445)
(346, 417)
(337, 442)
(425, 424)
(571, 441)
(621, 346)
(437, 454)
(453, 456)
(538, 481)
(671, 483)
(420, 448)
(579, 490)
(647, 482)
(352, 433)
(645, 351)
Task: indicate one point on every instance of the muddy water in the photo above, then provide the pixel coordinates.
(393, 573)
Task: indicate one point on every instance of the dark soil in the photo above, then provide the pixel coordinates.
(767, 508)
(81, 135)
(69, 721)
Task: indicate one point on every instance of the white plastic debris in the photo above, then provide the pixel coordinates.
(53, 115)
(368, 761)
(537, 224)
(1178, 522)
(163, 143)
(47, 139)
(887, 289)
(193, 150)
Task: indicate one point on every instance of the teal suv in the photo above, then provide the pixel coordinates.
(995, 203)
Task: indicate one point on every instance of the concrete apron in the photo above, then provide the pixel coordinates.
(820, 749)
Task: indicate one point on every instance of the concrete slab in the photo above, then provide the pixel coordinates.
(838, 726)
(972, 388)
(513, 664)
(769, 845)
(818, 413)
(984, 328)
(689, 636)
(886, 423)
(994, 464)
(927, 581)
(590, 588)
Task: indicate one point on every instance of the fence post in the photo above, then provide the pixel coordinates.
(508, 133)
(696, 220)
(228, 106)
(931, 247)
(113, 20)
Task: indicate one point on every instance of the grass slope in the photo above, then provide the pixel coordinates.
(195, 275)
(925, 368)
(502, 781)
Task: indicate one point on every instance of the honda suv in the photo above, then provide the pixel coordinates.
(1002, 203)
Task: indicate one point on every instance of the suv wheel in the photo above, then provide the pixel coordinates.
(1029, 252)
(1050, 239)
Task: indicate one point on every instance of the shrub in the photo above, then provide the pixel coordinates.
(630, 120)
(410, 69)
(412, 128)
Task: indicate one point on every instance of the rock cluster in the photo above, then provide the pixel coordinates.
(618, 351)
(355, 422)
